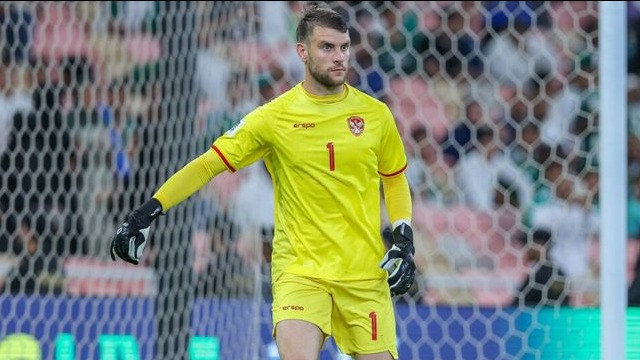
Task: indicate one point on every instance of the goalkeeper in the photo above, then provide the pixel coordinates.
(327, 146)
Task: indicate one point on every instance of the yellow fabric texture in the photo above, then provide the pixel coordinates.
(189, 179)
(397, 197)
(358, 314)
(326, 155)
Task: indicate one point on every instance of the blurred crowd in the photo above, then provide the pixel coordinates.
(497, 103)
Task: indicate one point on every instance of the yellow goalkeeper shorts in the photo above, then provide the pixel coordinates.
(358, 314)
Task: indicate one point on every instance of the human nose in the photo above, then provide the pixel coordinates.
(341, 55)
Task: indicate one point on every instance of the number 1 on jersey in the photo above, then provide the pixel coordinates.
(332, 160)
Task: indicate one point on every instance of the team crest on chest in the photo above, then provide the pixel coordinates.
(356, 125)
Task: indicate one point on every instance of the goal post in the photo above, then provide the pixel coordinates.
(613, 98)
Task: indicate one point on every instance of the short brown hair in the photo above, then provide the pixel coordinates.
(316, 14)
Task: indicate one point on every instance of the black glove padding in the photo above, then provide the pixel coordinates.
(131, 237)
(398, 261)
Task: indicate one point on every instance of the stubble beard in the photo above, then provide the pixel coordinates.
(324, 78)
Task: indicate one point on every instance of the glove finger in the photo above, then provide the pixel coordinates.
(400, 288)
(140, 250)
(395, 283)
(133, 241)
(384, 260)
(408, 280)
(123, 250)
(131, 249)
(392, 266)
(393, 253)
(396, 269)
(141, 242)
(402, 279)
(404, 285)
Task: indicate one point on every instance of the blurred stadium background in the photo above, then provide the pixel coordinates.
(497, 103)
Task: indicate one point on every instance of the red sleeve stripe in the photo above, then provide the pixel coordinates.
(394, 173)
(224, 159)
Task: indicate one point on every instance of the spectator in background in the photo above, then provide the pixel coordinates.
(584, 157)
(456, 39)
(115, 117)
(368, 78)
(35, 272)
(523, 151)
(478, 173)
(459, 141)
(252, 206)
(564, 105)
(276, 31)
(571, 223)
(42, 154)
(505, 195)
(507, 213)
(430, 177)
(13, 97)
(546, 283)
(17, 22)
(523, 52)
(550, 171)
(508, 62)
(400, 46)
(213, 84)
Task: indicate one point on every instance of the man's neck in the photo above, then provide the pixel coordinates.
(317, 89)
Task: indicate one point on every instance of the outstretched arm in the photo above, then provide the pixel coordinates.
(131, 236)
(189, 179)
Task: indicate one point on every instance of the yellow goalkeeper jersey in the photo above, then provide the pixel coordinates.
(325, 155)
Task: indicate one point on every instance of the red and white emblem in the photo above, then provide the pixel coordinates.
(356, 125)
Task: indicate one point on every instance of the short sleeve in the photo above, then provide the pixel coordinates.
(392, 159)
(248, 141)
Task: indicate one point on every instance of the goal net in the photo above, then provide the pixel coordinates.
(100, 102)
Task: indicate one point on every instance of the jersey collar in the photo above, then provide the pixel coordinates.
(326, 99)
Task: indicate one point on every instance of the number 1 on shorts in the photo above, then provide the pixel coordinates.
(374, 325)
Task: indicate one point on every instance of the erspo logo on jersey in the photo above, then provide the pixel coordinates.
(356, 125)
(304, 125)
(293, 307)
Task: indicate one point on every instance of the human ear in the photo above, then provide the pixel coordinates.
(301, 49)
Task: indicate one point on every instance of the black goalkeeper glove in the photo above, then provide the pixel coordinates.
(398, 261)
(131, 237)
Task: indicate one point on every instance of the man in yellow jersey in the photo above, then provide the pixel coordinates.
(327, 146)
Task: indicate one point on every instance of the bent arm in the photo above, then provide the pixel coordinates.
(397, 199)
(189, 179)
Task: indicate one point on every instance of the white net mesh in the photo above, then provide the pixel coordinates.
(103, 101)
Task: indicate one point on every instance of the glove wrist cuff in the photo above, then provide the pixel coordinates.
(151, 209)
(403, 237)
